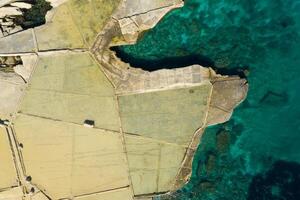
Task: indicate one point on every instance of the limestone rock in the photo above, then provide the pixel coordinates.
(134, 18)
(27, 66)
(146, 125)
(11, 89)
(21, 42)
(6, 2)
(14, 15)
(8, 11)
(15, 193)
(21, 5)
(56, 3)
(225, 98)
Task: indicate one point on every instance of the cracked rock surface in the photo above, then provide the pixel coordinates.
(144, 127)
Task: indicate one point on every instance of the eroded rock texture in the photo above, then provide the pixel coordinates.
(144, 127)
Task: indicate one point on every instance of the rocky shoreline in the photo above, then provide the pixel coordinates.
(47, 81)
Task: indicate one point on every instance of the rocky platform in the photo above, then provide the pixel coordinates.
(78, 123)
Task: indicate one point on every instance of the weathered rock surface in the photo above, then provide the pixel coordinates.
(26, 68)
(15, 71)
(7, 16)
(11, 89)
(15, 193)
(145, 128)
(134, 17)
(18, 15)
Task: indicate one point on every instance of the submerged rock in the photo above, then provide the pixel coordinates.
(223, 141)
(281, 181)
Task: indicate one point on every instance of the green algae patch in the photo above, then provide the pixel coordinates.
(72, 88)
(171, 115)
(91, 16)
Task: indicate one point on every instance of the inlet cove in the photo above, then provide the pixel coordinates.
(256, 154)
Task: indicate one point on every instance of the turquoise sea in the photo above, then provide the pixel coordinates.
(256, 155)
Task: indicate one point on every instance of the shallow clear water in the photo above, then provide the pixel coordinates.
(257, 154)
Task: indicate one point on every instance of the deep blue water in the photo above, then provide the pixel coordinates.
(256, 155)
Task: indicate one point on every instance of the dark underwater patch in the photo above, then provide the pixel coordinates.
(177, 62)
(274, 99)
(281, 182)
(163, 63)
(257, 39)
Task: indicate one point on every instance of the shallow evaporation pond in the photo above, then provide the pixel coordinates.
(260, 35)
